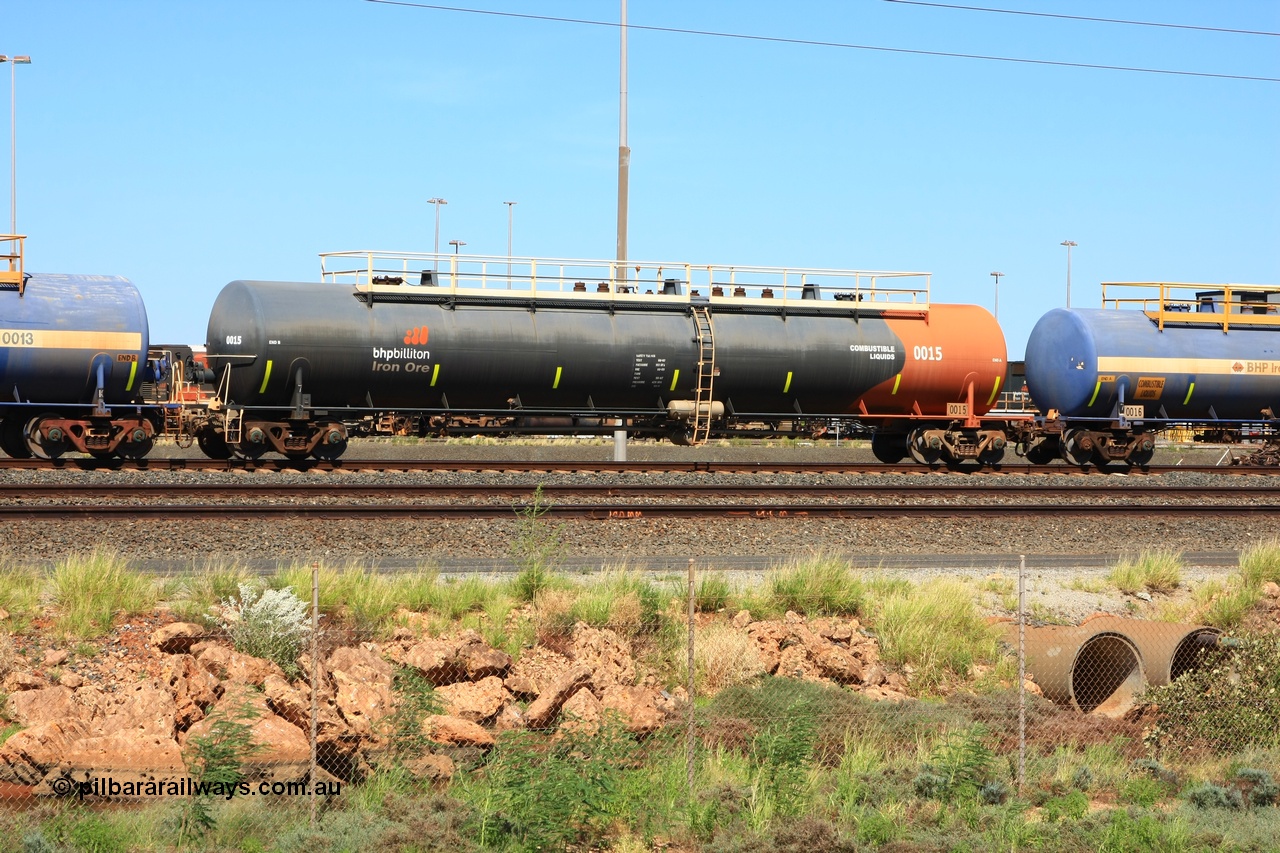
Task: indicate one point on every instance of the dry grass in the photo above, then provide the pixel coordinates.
(723, 657)
(1153, 571)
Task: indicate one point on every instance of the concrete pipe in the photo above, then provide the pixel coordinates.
(1168, 649)
(1089, 669)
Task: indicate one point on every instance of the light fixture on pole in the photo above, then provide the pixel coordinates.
(996, 276)
(511, 206)
(14, 62)
(456, 244)
(437, 202)
(1070, 244)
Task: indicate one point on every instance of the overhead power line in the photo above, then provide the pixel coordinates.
(835, 44)
(1085, 18)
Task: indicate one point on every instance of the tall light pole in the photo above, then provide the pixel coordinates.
(437, 202)
(624, 153)
(1070, 244)
(996, 276)
(14, 62)
(511, 205)
(456, 244)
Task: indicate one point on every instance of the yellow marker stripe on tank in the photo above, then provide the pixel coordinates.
(675, 377)
(896, 382)
(787, 386)
(995, 389)
(1188, 397)
(265, 378)
(1096, 389)
(556, 383)
(133, 374)
(435, 374)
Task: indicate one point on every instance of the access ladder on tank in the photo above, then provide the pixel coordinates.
(702, 398)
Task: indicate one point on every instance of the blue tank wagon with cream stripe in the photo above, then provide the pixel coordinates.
(73, 357)
(1159, 355)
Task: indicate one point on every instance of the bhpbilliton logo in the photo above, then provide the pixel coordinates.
(416, 336)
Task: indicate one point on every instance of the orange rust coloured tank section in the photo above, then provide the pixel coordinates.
(955, 356)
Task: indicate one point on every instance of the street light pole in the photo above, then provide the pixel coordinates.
(996, 276)
(14, 62)
(437, 202)
(455, 244)
(510, 210)
(1069, 244)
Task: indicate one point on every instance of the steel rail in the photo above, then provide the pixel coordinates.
(47, 491)
(400, 511)
(85, 463)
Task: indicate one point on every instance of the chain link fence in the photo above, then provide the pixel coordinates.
(550, 710)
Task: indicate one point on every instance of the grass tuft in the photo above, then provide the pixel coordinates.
(821, 584)
(937, 629)
(1153, 571)
(90, 589)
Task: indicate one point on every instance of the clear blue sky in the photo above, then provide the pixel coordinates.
(186, 144)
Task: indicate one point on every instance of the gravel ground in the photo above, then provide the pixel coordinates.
(1061, 553)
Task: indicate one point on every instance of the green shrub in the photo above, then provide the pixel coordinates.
(1210, 796)
(274, 625)
(537, 549)
(1258, 787)
(1229, 701)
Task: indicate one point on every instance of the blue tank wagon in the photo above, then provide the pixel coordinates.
(1108, 380)
(73, 352)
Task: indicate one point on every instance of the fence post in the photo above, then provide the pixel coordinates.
(315, 687)
(689, 731)
(1022, 671)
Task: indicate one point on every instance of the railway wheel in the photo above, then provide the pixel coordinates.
(889, 447)
(1077, 447)
(253, 443)
(46, 446)
(333, 443)
(991, 456)
(12, 440)
(138, 446)
(921, 450)
(1044, 452)
(1144, 450)
(213, 444)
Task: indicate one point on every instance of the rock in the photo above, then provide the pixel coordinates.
(543, 710)
(36, 707)
(839, 665)
(835, 630)
(873, 676)
(795, 662)
(28, 755)
(229, 665)
(192, 687)
(70, 680)
(436, 659)
(362, 680)
(508, 719)
(606, 654)
(535, 672)
(792, 618)
(522, 686)
(452, 730)
(55, 657)
(141, 710)
(768, 637)
(124, 757)
(431, 768)
(637, 707)
(333, 736)
(177, 637)
(482, 661)
(478, 701)
(16, 682)
(1271, 589)
(742, 619)
(280, 751)
(581, 713)
(673, 705)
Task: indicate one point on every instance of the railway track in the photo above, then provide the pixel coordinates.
(86, 463)
(623, 501)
